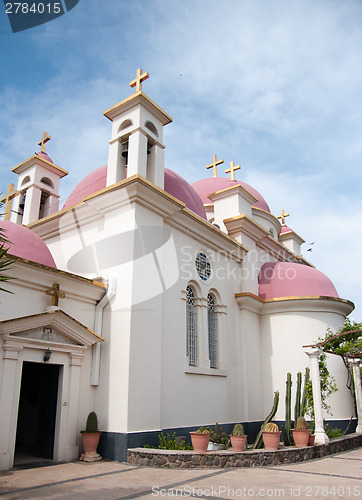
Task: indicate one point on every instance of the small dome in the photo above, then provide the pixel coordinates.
(288, 279)
(44, 156)
(211, 185)
(26, 244)
(175, 185)
(286, 229)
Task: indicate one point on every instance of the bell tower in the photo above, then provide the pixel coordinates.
(38, 186)
(137, 134)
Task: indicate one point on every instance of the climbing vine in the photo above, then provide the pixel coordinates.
(328, 387)
(341, 345)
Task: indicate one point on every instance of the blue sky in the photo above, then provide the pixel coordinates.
(275, 86)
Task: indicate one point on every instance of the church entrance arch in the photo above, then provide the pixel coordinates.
(37, 411)
(40, 373)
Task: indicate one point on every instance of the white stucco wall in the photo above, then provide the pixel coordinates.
(286, 327)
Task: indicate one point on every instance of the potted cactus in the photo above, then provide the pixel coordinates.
(200, 439)
(238, 438)
(271, 436)
(90, 438)
(301, 433)
(218, 439)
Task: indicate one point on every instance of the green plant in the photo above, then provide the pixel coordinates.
(287, 429)
(169, 442)
(332, 432)
(297, 410)
(204, 430)
(345, 343)
(259, 438)
(92, 423)
(300, 404)
(305, 393)
(328, 387)
(301, 424)
(238, 430)
(271, 427)
(218, 436)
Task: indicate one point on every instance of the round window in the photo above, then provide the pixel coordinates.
(203, 266)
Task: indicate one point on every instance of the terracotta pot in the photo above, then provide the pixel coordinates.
(199, 441)
(301, 437)
(271, 440)
(90, 441)
(311, 439)
(238, 442)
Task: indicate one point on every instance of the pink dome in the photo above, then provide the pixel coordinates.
(175, 185)
(285, 229)
(26, 244)
(93, 182)
(44, 156)
(182, 190)
(213, 184)
(288, 279)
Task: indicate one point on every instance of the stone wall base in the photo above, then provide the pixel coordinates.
(253, 458)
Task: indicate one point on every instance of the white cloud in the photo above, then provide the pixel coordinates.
(274, 86)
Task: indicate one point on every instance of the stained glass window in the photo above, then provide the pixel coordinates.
(203, 266)
(212, 331)
(191, 327)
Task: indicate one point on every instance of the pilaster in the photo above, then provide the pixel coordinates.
(355, 364)
(313, 353)
(137, 154)
(9, 393)
(32, 205)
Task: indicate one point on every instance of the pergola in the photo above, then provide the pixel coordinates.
(354, 360)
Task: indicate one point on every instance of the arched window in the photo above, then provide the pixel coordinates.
(47, 181)
(125, 124)
(191, 327)
(151, 127)
(212, 330)
(25, 180)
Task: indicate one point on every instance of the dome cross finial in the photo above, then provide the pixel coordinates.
(232, 170)
(46, 137)
(214, 164)
(137, 82)
(283, 216)
(8, 198)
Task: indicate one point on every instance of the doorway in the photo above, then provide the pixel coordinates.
(37, 412)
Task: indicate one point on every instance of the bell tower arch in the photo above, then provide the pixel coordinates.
(137, 135)
(38, 186)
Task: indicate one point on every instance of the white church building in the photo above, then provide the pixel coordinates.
(160, 305)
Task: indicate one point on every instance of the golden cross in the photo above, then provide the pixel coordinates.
(46, 137)
(232, 170)
(10, 194)
(214, 164)
(56, 294)
(283, 216)
(137, 82)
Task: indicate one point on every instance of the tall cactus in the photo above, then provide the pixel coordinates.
(300, 404)
(259, 438)
(305, 392)
(297, 409)
(287, 429)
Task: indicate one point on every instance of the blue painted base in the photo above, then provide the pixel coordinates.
(113, 445)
